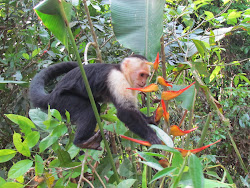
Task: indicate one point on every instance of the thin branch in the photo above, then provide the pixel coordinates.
(107, 41)
(86, 52)
(93, 170)
(85, 179)
(98, 51)
(82, 171)
(230, 63)
(182, 119)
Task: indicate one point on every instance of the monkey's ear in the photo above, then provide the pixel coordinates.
(126, 63)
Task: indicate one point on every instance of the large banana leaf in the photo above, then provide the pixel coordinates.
(138, 25)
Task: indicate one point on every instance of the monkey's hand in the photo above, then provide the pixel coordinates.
(151, 120)
(93, 142)
(153, 139)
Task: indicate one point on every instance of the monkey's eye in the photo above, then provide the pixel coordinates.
(142, 74)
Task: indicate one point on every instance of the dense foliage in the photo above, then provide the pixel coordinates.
(37, 146)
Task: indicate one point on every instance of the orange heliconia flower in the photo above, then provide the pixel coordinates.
(164, 163)
(158, 113)
(149, 63)
(163, 82)
(156, 63)
(165, 113)
(145, 143)
(168, 95)
(150, 88)
(176, 131)
(185, 152)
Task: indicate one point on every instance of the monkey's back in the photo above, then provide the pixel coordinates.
(72, 83)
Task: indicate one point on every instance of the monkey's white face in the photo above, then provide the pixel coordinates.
(136, 71)
(139, 78)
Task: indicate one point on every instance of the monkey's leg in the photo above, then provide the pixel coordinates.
(86, 123)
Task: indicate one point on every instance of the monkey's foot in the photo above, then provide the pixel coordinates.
(93, 142)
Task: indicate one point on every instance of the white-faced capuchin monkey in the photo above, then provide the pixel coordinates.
(109, 83)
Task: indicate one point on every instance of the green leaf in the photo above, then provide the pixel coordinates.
(126, 169)
(177, 160)
(2, 181)
(187, 97)
(201, 67)
(212, 183)
(47, 142)
(126, 183)
(39, 167)
(225, 1)
(63, 157)
(215, 73)
(138, 25)
(26, 56)
(73, 151)
(53, 137)
(195, 171)
(35, 52)
(163, 136)
(20, 168)
(56, 114)
(209, 15)
(164, 147)
(165, 172)
(59, 130)
(22, 147)
(32, 139)
(232, 17)
(109, 117)
(24, 123)
(48, 11)
(213, 174)
(6, 155)
(150, 161)
(67, 116)
(156, 166)
(12, 185)
(38, 117)
(200, 47)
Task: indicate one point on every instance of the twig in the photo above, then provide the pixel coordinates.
(82, 171)
(107, 41)
(183, 117)
(93, 169)
(86, 52)
(98, 51)
(230, 63)
(85, 179)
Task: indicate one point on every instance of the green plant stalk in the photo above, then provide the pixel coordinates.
(134, 163)
(190, 124)
(224, 120)
(204, 130)
(179, 175)
(91, 98)
(148, 113)
(144, 176)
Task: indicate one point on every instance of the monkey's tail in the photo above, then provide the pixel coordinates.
(38, 96)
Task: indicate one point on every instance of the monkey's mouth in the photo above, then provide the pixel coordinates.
(141, 86)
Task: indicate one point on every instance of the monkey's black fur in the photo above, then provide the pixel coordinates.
(70, 94)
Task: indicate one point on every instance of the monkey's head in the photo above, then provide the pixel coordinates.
(136, 70)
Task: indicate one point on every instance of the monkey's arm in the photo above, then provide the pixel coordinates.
(138, 124)
(150, 119)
